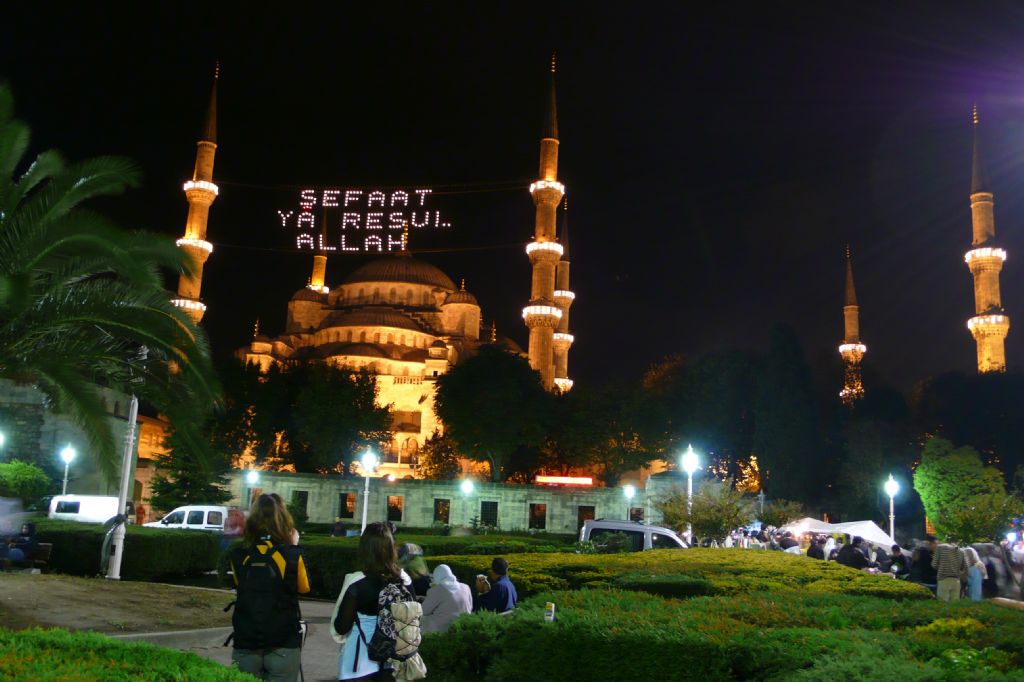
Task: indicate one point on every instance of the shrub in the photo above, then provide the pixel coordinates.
(759, 636)
(53, 655)
(149, 552)
(23, 480)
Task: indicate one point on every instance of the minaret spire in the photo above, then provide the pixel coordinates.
(200, 192)
(542, 314)
(851, 349)
(990, 325)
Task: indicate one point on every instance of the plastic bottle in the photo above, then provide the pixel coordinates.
(549, 612)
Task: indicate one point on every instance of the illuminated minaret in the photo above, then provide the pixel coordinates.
(317, 278)
(564, 297)
(851, 349)
(200, 193)
(542, 315)
(990, 325)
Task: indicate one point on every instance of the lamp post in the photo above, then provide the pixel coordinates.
(690, 465)
(467, 489)
(369, 464)
(252, 479)
(892, 487)
(67, 455)
(114, 567)
(629, 491)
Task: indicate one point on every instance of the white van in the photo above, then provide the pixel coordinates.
(193, 517)
(641, 536)
(85, 508)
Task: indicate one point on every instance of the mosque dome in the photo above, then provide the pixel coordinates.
(403, 269)
(307, 294)
(462, 296)
(370, 318)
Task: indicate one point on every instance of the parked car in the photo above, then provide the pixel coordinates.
(86, 508)
(640, 535)
(193, 517)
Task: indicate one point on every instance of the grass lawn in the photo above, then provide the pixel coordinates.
(108, 606)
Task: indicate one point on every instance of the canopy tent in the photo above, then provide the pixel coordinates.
(868, 530)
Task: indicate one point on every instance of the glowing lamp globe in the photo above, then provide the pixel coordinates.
(467, 487)
(252, 478)
(892, 487)
(690, 463)
(68, 454)
(1, 440)
(368, 461)
(629, 491)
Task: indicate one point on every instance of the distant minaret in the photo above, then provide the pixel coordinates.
(990, 325)
(317, 278)
(563, 299)
(851, 349)
(541, 314)
(200, 193)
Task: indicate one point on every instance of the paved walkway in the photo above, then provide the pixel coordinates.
(319, 656)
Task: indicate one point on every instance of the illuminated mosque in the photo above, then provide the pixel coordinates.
(397, 316)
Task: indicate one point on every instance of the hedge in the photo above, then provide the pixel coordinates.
(58, 655)
(149, 552)
(619, 635)
(686, 573)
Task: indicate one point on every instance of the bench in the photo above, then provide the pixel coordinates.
(36, 561)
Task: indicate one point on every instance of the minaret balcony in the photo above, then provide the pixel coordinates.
(989, 325)
(564, 338)
(548, 184)
(565, 294)
(853, 352)
(985, 258)
(202, 185)
(188, 304)
(319, 290)
(537, 247)
(541, 316)
(196, 243)
(564, 384)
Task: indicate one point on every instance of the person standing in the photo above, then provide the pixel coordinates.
(269, 575)
(950, 564)
(976, 573)
(498, 594)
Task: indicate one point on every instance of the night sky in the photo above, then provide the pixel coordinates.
(716, 160)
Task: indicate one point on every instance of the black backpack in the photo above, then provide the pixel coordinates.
(267, 612)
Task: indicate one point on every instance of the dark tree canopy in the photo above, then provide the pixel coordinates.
(494, 406)
(188, 474)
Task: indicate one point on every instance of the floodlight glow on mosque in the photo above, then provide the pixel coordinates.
(359, 220)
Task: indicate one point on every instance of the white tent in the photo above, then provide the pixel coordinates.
(809, 525)
(868, 530)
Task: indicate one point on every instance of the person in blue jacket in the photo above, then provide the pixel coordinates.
(497, 594)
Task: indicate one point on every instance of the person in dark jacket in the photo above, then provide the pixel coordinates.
(817, 549)
(900, 565)
(921, 570)
(498, 594)
(851, 555)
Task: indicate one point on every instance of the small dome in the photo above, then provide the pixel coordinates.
(461, 297)
(307, 294)
(370, 317)
(404, 269)
(439, 344)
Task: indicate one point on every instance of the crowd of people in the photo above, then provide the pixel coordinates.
(269, 572)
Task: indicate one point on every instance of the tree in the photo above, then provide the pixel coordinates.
(985, 517)
(494, 406)
(786, 437)
(80, 298)
(950, 482)
(778, 513)
(439, 460)
(187, 474)
(23, 480)
(717, 509)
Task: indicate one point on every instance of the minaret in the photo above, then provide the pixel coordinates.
(541, 314)
(851, 349)
(990, 325)
(564, 297)
(317, 278)
(200, 193)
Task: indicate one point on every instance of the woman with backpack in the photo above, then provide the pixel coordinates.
(269, 575)
(357, 615)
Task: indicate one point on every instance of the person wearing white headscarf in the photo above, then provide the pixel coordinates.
(446, 600)
(976, 573)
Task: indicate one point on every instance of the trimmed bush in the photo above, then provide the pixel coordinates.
(690, 572)
(618, 635)
(58, 655)
(149, 552)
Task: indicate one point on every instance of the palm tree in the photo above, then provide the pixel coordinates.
(80, 298)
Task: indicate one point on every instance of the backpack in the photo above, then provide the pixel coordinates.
(267, 612)
(398, 633)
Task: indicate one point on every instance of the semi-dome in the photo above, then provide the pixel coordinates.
(403, 269)
(307, 294)
(370, 318)
(462, 296)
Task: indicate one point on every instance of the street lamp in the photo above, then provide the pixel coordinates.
(690, 465)
(467, 489)
(369, 464)
(892, 487)
(67, 454)
(629, 491)
(252, 478)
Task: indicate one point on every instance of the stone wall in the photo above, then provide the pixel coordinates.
(414, 501)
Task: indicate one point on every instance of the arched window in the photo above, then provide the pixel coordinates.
(401, 341)
(349, 334)
(376, 337)
(393, 296)
(362, 294)
(376, 295)
(362, 337)
(408, 297)
(391, 338)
